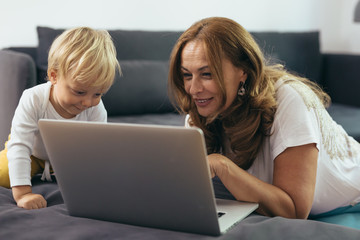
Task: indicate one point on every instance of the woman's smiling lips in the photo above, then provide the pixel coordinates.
(202, 102)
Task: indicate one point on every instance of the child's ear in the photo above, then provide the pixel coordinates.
(52, 76)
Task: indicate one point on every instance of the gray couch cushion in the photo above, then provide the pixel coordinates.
(145, 45)
(45, 37)
(348, 117)
(141, 89)
(298, 51)
(341, 74)
(130, 45)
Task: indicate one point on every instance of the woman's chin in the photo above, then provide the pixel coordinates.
(205, 112)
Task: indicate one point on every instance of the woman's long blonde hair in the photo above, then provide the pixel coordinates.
(250, 117)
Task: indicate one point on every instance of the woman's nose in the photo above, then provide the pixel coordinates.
(196, 86)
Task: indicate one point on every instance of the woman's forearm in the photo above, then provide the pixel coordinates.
(272, 200)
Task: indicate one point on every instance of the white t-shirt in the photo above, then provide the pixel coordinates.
(301, 119)
(25, 139)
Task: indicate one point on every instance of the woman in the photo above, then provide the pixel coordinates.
(269, 137)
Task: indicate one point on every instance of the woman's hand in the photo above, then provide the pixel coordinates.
(26, 199)
(219, 164)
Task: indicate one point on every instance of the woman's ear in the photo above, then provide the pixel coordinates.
(244, 77)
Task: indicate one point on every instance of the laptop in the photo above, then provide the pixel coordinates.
(146, 175)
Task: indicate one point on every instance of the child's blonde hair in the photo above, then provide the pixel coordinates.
(86, 55)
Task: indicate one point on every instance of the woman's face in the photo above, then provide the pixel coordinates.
(200, 84)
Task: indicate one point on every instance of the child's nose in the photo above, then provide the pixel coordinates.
(87, 102)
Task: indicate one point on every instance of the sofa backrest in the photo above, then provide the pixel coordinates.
(130, 45)
(299, 52)
(143, 57)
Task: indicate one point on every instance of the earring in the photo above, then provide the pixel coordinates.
(241, 91)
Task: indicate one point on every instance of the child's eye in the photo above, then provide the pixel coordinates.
(79, 92)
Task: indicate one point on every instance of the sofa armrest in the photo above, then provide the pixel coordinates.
(341, 75)
(17, 72)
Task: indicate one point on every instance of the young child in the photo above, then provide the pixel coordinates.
(81, 67)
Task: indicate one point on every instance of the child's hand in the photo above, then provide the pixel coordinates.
(26, 199)
(32, 201)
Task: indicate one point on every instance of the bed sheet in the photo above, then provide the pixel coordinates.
(54, 222)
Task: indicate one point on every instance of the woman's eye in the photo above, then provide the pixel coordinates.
(186, 75)
(207, 74)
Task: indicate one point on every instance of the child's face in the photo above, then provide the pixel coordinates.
(70, 98)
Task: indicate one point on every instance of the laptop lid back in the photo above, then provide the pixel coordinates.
(147, 175)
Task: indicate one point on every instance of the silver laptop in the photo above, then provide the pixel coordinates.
(146, 175)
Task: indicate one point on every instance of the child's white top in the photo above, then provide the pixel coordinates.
(25, 139)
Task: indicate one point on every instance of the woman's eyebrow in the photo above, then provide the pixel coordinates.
(200, 69)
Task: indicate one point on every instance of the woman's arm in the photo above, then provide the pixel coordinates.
(292, 192)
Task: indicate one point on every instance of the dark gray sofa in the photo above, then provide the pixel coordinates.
(140, 96)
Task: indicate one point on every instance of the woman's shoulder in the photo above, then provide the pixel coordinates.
(292, 89)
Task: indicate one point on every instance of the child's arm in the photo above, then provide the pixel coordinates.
(20, 144)
(26, 199)
(20, 147)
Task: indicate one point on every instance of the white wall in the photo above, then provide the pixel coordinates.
(19, 18)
